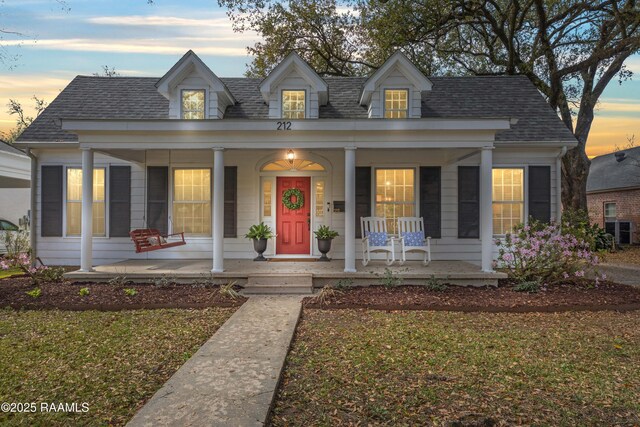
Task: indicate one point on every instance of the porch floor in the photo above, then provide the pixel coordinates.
(413, 272)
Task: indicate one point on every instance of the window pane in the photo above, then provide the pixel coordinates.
(293, 104)
(610, 211)
(193, 104)
(99, 219)
(395, 195)
(192, 201)
(74, 202)
(320, 198)
(74, 218)
(266, 198)
(74, 184)
(508, 199)
(298, 164)
(396, 103)
(98, 185)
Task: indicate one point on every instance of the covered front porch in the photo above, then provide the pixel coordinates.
(321, 273)
(156, 152)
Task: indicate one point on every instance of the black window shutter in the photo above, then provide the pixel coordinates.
(540, 193)
(119, 201)
(430, 200)
(230, 201)
(51, 201)
(363, 195)
(157, 197)
(468, 202)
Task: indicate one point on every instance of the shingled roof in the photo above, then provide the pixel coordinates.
(89, 97)
(8, 148)
(607, 173)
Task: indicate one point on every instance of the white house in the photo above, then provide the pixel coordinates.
(15, 176)
(209, 156)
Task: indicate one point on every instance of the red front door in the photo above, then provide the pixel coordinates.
(293, 225)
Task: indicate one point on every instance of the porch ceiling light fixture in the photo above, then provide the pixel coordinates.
(291, 156)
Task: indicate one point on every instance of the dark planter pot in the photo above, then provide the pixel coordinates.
(260, 245)
(324, 246)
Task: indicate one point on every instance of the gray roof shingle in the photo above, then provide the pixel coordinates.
(88, 97)
(607, 173)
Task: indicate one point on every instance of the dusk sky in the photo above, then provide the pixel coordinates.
(138, 39)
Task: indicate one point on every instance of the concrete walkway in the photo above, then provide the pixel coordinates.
(627, 274)
(232, 379)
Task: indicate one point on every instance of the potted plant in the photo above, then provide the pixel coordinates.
(325, 235)
(259, 233)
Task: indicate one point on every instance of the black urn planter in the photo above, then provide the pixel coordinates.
(260, 245)
(324, 246)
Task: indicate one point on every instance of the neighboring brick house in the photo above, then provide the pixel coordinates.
(613, 194)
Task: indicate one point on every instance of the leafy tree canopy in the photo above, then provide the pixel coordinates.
(569, 49)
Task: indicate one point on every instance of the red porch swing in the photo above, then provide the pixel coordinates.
(150, 239)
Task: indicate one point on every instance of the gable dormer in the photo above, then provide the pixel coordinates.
(395, 89)
(194, 91)
(293, 90)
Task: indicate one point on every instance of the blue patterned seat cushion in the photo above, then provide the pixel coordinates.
(413, 238)
(377, 238)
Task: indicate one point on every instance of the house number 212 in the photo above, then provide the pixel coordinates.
(284, 125)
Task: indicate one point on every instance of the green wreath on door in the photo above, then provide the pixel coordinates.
(288, 195)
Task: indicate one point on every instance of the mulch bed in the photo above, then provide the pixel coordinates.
(583, 296)
(108, 297)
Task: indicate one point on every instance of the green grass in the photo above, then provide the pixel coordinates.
(114, 361)
(350, 367)
(9, 273)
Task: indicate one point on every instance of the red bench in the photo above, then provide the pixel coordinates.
(150, 239)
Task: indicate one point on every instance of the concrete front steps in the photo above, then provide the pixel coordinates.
(278, 283)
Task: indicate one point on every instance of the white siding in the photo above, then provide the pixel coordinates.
(66, 250)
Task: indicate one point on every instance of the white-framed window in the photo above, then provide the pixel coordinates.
(396, 103)
(319, 199)
(267, 190)
(610, 211)
(293, 104)
(191, 210)
(395, 195)
(74, 202)
(508, 199)
(193, 104)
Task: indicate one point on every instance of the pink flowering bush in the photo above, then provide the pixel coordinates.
(22, 261)
(542, 253)
(18, 257)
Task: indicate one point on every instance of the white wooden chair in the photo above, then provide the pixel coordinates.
(376, 239)
(412, 237)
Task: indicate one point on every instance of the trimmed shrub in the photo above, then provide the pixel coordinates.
(542, 253)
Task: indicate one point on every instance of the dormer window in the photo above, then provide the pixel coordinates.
(193, 104)
(396, 103)
(293, 104)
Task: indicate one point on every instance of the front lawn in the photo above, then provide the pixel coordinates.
(358, 367)
(9, 273)
(114, 361)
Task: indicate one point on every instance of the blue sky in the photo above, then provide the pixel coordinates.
(146, 40)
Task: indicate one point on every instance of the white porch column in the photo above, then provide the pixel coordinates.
(558, 219)
(218, 210)
(486, 208)
(86, 236)
(350, 209)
